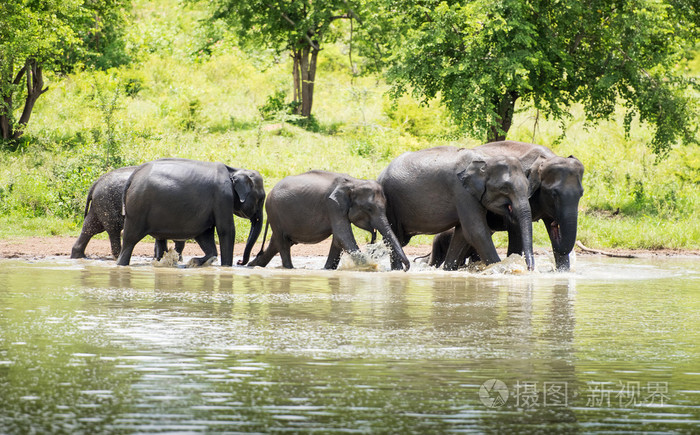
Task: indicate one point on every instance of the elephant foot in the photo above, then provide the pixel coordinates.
(562, 262)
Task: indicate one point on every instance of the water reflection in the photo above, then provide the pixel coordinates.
(88, 347)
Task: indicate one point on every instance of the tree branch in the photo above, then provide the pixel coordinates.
(627, 58)
(598, 251)
(290, 21)
(352, 13)
(20, 73)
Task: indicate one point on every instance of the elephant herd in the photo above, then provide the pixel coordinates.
(461, 195)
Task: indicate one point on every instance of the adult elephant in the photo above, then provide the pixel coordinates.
(556, 188)
(103, 212)
(432, 190)
(309, 207)
(181, 199)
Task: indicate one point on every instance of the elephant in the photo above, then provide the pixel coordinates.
(556, 191)
(103, 212)
(309, 207)
(431, 190)
(179, 199)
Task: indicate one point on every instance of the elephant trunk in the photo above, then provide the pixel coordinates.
(256, 224)
(385, 230)
(562, 233)
(524, 216)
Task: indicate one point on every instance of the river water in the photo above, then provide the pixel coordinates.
(89, 347)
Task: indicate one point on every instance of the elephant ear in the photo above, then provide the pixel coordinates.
(340, 197)
(534, 175)
(473, 178)
(578, 163)
(242, 185)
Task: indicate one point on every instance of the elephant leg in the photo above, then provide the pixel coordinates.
(285, 247)
(179, 247)
(266, 256)
(472, 255)
(207, 242)
(561, 261)
(133, 234)
(441, 243)
(476, 232)
(457, 250)
(333, 256)
(227, 235)
(115, 242)
(91, 227)
(160, 247)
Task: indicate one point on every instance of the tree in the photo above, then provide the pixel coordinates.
(483, 56)
(300, 26)
(38, 35)
(100, 28)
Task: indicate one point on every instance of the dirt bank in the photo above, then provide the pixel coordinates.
(41, 247)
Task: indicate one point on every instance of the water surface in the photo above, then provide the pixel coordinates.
(86, 346)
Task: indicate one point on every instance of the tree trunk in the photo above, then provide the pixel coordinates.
(6, 124)
(505, 106)
(304, 72)
(5, 119)
(35, 87)
(296, 55)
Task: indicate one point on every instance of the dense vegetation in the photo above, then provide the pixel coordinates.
(188, 90)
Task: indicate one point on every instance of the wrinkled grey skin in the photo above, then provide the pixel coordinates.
(432, 190)
(103, 212)
(556, 188)
(181, 199)
(309, 207)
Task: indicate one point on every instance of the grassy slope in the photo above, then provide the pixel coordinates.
(186, 105)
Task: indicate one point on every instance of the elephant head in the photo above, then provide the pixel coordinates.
(366, 208)
(249, 198)
(559, 188)
(501, 186)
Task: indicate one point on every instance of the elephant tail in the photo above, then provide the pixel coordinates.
(89, 199)
(126, 188)
(262, 247)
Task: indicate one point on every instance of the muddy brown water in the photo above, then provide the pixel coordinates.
(89, 347)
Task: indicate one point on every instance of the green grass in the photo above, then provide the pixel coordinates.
(175, 102)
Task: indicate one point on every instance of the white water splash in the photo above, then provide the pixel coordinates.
(192, 262)
(514, 264)
(372, 260)
(170, 259)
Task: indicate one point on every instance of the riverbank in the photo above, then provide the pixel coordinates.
(43, 247)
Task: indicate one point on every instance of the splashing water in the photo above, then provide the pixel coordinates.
(514, 264)
(193, 263)
(170, 259)
(370, 261)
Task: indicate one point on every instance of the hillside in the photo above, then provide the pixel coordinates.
(176, 99)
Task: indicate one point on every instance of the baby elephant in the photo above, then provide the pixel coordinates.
(309, 207)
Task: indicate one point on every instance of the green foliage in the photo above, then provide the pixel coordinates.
(483, 56)
(49, 36)
(101, 28)
(428, 119)
(175, 102)
(107, 98)
(275, 107)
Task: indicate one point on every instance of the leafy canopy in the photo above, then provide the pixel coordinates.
(283, 25)
(549, 54)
